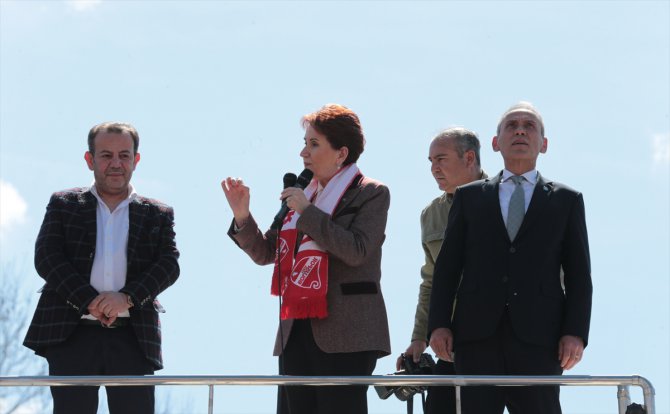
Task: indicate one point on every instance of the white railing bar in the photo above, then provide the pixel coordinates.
(264, 380)
(388, 380)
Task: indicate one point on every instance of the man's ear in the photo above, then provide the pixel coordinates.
(470, 158)
(89, 160)
(137, 158)
(545, 143)
(494, 144)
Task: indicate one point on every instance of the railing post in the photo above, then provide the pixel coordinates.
(210, 405)
(458, 399)
(623, 396)
(649, 400)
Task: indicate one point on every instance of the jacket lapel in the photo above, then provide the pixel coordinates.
(541, 194)
(491, 193)
(136, 214)
(88, 206)
(349, 196)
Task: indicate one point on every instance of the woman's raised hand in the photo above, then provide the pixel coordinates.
(237, 195)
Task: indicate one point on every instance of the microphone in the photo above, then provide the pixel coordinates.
(289, 180)
(301, 182)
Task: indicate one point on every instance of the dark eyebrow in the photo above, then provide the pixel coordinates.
(441, 154)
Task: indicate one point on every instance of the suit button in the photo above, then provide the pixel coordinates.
(505, 279)
(512, 249)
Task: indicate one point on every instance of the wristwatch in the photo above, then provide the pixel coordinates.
(129, 300)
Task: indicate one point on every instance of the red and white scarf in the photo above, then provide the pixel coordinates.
(304, 276)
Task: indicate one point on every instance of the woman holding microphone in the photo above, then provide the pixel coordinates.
(327, 270)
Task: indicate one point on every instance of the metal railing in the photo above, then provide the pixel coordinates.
(621, 382)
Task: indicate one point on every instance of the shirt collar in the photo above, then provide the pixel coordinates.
(132, 194)
(530, 176)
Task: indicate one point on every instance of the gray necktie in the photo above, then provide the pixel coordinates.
(517, 207)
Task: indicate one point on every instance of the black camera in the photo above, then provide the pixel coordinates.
(635, 408)
(405, 392)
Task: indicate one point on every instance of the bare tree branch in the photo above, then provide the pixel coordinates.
(15, 311)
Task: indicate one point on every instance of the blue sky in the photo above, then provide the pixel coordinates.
(217, 88)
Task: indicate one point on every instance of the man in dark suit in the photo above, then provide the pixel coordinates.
(454, 161)
(105, 253)
(499, 305)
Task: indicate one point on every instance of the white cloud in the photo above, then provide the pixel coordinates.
(82, 5)
(661, 148)
(12, 207)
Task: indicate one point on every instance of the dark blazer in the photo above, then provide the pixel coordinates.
(64, 254)
(522, 275)
(353, 238)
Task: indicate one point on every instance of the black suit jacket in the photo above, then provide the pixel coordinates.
(64, 253)
(480, 272)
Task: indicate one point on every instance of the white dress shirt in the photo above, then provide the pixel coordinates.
(506, 188)
(111, 242)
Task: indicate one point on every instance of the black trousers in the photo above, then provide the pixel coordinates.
(302, 356)
(442, 400)
(92, 350)
(505, 354)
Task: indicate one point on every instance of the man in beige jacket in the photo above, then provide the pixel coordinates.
(454, 159)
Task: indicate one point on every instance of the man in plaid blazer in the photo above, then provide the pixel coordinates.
(105, 253)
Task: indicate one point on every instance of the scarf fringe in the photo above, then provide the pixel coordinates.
(305, 308)
(277, 279)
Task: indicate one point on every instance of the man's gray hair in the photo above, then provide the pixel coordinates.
(464, 140)
(522, 106)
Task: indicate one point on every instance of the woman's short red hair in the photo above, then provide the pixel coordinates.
(341, 127)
